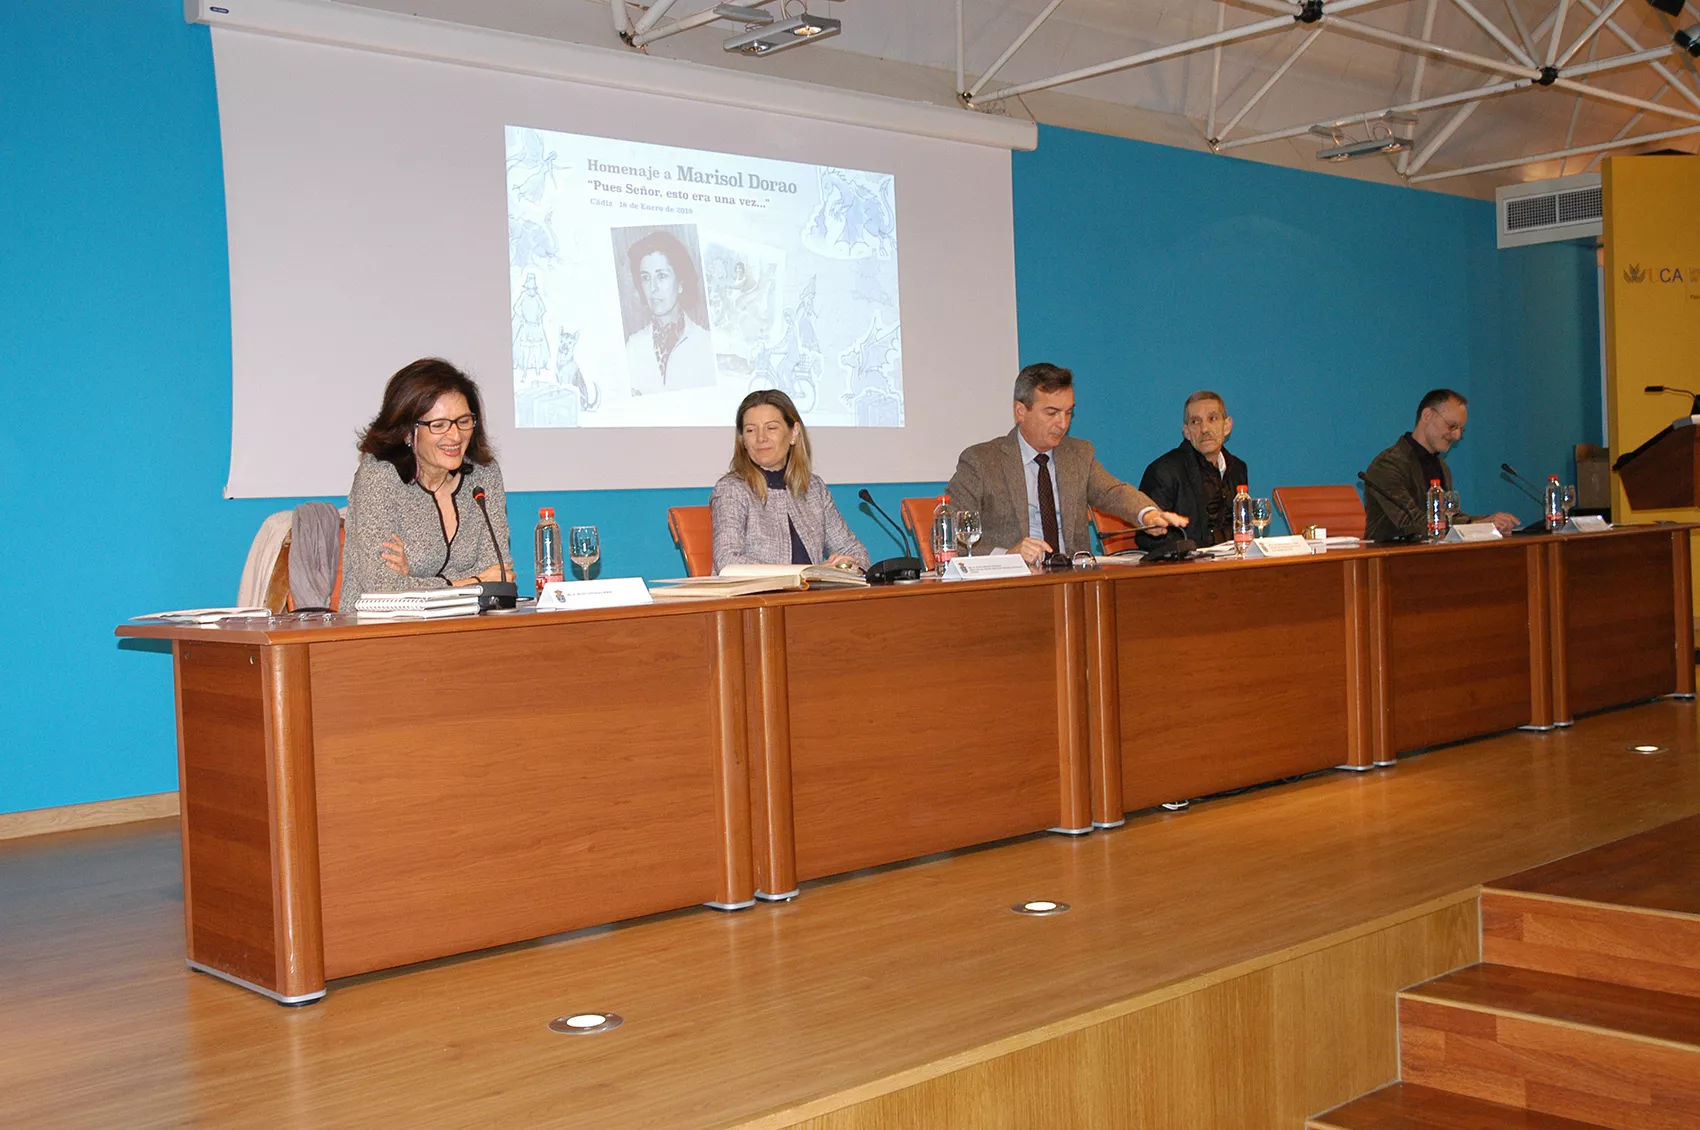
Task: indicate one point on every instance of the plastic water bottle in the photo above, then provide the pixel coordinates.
(944, 533)
(1435, 506)
(1242, 521)
(551, 563)
(1555, 504)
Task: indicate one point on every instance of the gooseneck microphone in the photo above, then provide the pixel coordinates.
(1520, 482)
(1694, 401)
(893, 570)
(1404, 511)
(902, 532)
(494, 594)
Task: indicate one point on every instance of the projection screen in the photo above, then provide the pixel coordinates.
(615, 267)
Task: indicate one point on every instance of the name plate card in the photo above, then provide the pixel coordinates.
(1586, 524)
(575, 596)
(1472, 531)
(1288, 545)
(984, 568)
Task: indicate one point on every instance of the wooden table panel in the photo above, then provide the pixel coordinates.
(1246, 665)
(920, 722)
(1619, 632)
(1459, 643)
(483, 788)
(227, 869)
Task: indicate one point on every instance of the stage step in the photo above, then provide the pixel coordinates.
(1405, 1106)
(1627, 912)
(1614, 1055)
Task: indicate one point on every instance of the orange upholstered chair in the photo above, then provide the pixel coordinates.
(918, 516)
(1114, 534)
(693, 532)
(1337, 508)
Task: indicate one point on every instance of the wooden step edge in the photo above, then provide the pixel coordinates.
(1417, 994)
(1383, 1107)
(1625, 908)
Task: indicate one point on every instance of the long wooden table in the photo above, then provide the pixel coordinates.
(361, 796)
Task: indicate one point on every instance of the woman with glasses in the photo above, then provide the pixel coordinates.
(413, 518)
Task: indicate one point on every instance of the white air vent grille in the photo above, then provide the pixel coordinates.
(1531, 212)
(1573, 207)
(1549, 211)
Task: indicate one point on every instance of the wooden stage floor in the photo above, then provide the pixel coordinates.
(826, 1012)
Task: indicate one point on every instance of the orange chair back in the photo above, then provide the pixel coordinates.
(1337, 508)
(693, 532)
(918, 516)
(1114, 534)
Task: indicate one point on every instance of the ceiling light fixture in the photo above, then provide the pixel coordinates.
(783, 35)
(1390, 133)
(1646, 749)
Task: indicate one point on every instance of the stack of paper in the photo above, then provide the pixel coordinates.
(429, 605)
(204, 615)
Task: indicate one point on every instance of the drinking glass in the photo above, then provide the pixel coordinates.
(584, 546)
(1454, 506)
(1262, 513)
(968, 531)
(1567, 499)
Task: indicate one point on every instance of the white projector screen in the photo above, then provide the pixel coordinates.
(384, 207)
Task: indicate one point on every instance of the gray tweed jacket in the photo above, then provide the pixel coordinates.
(748, 529)
(380, 506)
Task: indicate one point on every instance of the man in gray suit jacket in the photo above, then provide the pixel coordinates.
(1007, 479)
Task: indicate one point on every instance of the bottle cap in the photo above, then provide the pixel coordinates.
(1434, 482)
(1552, 478)
(545, 511)
(1244, 489)
(945, 497)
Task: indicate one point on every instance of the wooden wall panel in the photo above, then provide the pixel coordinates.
(483, 788)
(921, 722)
(1619, 632)
(1459, 643)
(1230, 677)
(1262, 1049)
(224, 796)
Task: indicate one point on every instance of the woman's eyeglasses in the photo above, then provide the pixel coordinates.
(440, 427)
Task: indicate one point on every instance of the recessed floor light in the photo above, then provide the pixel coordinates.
(1646, 749)
(1040, 908)
(585, 1023)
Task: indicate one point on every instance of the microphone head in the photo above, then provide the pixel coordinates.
(1654, 388)
(478, 495)
(1506, 467)
(864, 495)
(1361, 476)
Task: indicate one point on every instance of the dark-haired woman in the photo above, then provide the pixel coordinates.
(673, 351)
(771, 508)
(413, 522)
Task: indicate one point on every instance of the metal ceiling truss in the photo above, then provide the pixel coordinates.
(1536, 57)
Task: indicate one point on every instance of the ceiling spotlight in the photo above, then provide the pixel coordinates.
(1646, 749)
(1040, 908)
(1370, 148)
(784, 34)
(585, 1023)
(1689, 40)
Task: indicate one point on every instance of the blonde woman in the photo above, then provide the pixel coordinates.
(771, 508)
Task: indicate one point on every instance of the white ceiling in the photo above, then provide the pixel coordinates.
(908, 48)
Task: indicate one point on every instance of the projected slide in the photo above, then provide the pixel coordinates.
(654, 287)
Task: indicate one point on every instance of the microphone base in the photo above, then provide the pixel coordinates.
(497, 594)
(1175, 549)
(895, 570)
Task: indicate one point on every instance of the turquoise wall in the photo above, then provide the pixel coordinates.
(1321, 307)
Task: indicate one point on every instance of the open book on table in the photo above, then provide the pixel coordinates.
(742, 580)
